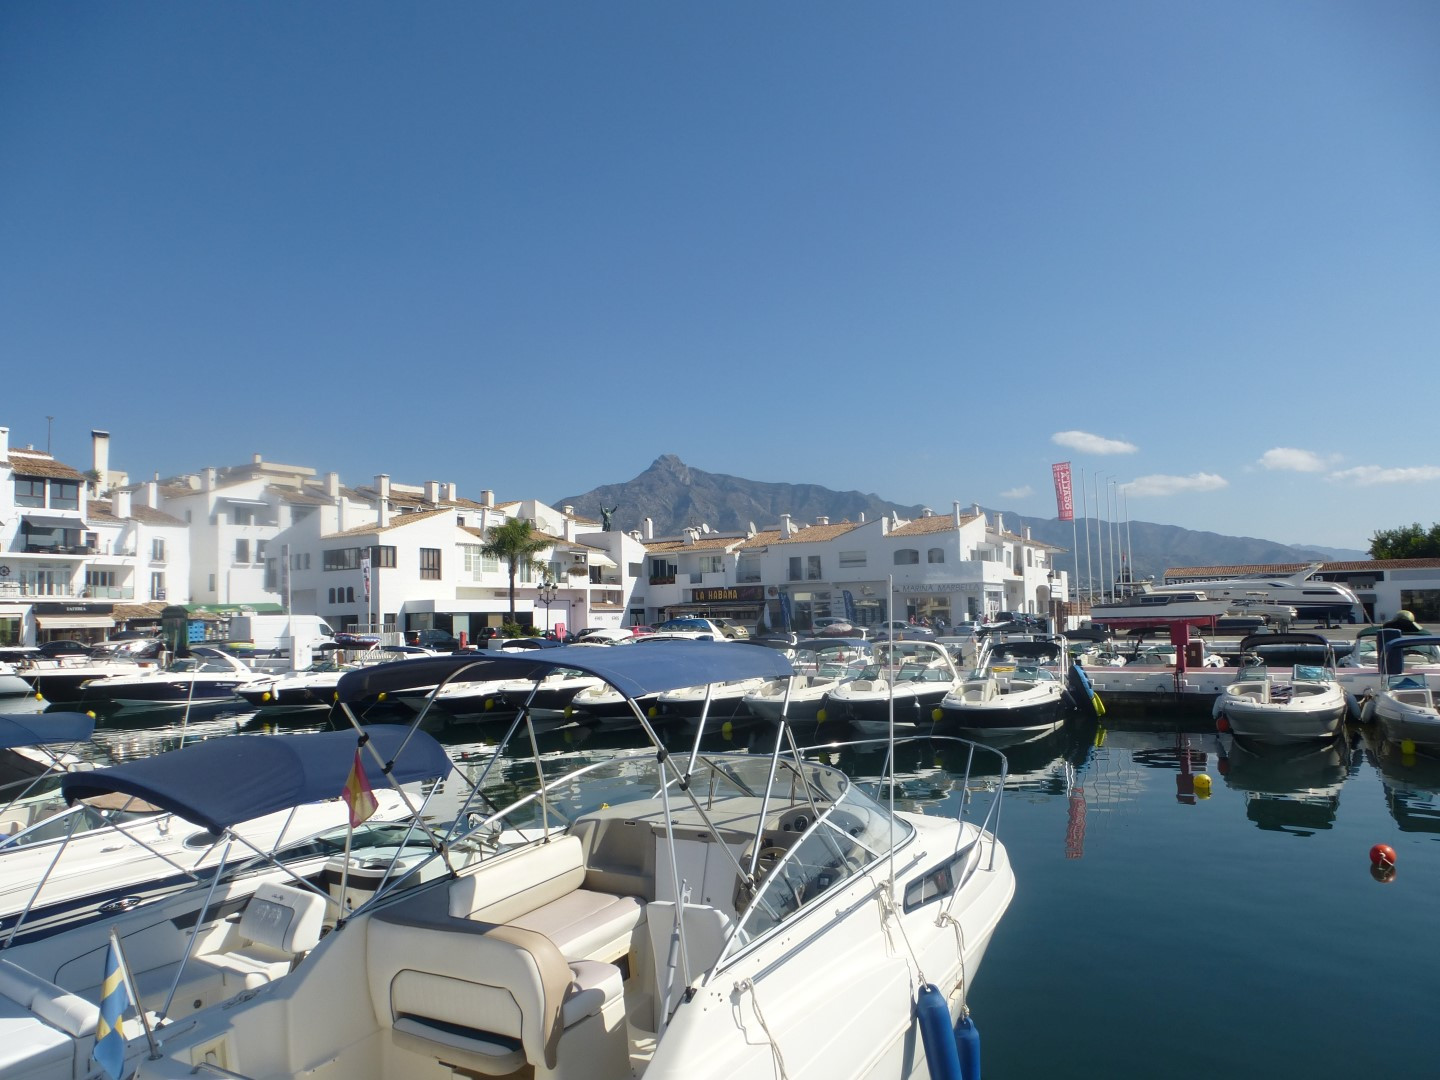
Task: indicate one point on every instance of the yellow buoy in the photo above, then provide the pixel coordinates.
(727, 729)
(39, 696)
(489, 704)
(1407, 746)
(90, 713)
(1202, 785)
(820, 717)
(652, 712)
(265, 696)
(381, 696)
(568, 712)
(935, 714)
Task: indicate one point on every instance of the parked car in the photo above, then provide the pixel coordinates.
(64, 648)
(641, 631)
(900, 631)
(733, 629)
(703, 629)
(433, 639)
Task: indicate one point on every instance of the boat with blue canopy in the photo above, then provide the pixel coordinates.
(655, 913)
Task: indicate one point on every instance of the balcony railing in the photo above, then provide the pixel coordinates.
(666, 579)
(60, 549)
(108, 592)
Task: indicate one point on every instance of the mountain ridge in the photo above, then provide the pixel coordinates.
(675, 496)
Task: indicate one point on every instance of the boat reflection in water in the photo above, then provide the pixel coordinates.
(1411, 781)
(1288, 788)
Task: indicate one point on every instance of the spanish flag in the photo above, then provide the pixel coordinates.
(358, 794)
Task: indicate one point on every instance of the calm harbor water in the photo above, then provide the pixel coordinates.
(1156, 931)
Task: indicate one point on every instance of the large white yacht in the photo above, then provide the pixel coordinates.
(1310, 598)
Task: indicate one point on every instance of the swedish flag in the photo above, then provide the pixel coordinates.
(109, 1052)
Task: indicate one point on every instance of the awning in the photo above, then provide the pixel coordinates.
(75, 622)
(599, 558)
(219, 782)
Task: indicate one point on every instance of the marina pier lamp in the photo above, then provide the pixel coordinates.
(545, 593)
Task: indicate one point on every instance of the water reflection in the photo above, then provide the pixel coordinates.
(1288, 788)
(1411, 781)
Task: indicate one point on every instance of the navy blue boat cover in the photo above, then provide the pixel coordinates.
(222, 781)
(635, 670)
(41, 728)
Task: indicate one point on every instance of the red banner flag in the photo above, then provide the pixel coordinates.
(1063, 496)
(358, 794)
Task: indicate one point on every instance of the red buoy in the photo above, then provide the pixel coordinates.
(1222, 723)
(1382, 855)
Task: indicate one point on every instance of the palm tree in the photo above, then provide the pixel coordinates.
(517, 543)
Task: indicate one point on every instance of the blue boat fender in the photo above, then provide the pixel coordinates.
(967, 1043)
(941, 1051)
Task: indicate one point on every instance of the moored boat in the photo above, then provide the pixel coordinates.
(1307, 704)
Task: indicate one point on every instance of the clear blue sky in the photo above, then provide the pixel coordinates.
(901, 248)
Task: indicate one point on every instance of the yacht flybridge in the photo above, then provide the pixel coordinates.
(660, 914)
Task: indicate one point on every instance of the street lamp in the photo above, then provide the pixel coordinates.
(545, 593)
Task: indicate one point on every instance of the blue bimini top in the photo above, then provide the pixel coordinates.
(219, 782)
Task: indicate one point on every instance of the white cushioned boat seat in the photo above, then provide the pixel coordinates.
(476, 995)
(44, 1031)
(706, 931)
(539, 889)
(281, 923)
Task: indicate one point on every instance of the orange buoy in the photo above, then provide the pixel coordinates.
(1222, 723)
(1382, 855)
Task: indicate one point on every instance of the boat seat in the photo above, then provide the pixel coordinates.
(281, 923)
(44, 1031)
(540, 888)
(706, 931)
(492, 999)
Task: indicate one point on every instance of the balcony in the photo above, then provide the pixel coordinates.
(61, 549)
(667, 579)
(108, 592)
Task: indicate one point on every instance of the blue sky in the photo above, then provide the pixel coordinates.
(922, 250)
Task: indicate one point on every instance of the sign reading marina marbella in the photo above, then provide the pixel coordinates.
(942, 587)
(728, 593)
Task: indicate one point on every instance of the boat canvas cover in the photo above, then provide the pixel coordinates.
(1395, 647)
(40, 729)
(634, 670)
(220, 782)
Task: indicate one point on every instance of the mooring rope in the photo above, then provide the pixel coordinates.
(744, 985)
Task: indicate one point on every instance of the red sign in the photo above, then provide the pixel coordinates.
(1064, 499)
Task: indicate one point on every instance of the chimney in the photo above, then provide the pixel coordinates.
(382, 485)
(208, 483)
(451, 493)
(432, 491)
(862, 517)
(4, 443)
(122, 504)
(975, 509)
(257, 459)
(786, 531)
(382, 499)
(1027, 532)
(487, 497)
(925, 512)
(957, 515)
(100, 459)
(884, 526)
(152, 494)
(568, 510)
(649, 528)
(332, 484)
(1000, 523)
(822, 520)
(691, 534)
(569, 528)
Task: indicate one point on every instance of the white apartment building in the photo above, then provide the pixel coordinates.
(950, 567)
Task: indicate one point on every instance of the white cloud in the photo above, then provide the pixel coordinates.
(1087, 443)
(1159, 484)
(1018, 493)
(1288, 459)
(1366, 475)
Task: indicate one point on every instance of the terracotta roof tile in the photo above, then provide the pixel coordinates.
(398, 521)
(35, 463)
(704, 543)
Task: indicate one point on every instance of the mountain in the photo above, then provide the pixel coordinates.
(674, 496)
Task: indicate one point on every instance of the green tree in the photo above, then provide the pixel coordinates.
(1408, 542)
(517, 543)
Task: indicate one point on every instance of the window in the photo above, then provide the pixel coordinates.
(747, 570)
(812, 568)
(349, 594)
(712, 564)
(65, 494)
(795, 569)
(242, 552)
(29, 492)
(662, 571)
(300, 560)
(477, 563)
(272, 575)
(242, 515)
(935, 555)
(211, 585)
(157, 551)
(157, 586)
(907, 557)
(429, 564)
(342, 559)
(383, 555)
(852, 559)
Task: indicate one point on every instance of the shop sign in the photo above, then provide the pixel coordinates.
(732, 593)
(73, 609)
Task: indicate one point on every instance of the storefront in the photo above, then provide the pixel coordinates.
(89, 623)
(740, 603)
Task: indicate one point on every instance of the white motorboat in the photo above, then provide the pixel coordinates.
(718, 701)
(207, 676)
(702, 916)
(247, 922)
(60, 680)
(35, 751)
(552, 694)
(1020, 688)
(908, 679)
(1152, 607)
(820, 664)
(310, 688)
(1311, 598)
(1306, 704)
(1404, 705)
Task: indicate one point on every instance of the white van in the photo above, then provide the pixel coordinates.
(297, 635)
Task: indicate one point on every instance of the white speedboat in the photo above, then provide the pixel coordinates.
(907, 680)
(1149, 607)
(310, 688)
(1305, 704)
(703, 916)
(1311, 598)
(35, 751)
(1404, 705)
(820, 664)
(1021, 688)
(206, 677)
(247, 922)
